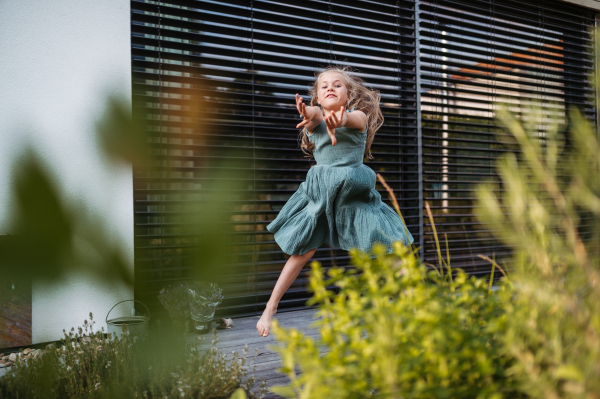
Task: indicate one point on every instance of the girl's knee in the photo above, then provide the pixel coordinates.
(309, 254)
(305, 257)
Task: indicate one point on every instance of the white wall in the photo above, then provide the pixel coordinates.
(58, 61)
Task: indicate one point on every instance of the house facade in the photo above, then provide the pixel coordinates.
(440, 66)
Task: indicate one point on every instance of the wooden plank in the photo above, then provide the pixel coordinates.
(240, 335)
(250, 333)
(252, 342)
(248, 327)
(267, 361)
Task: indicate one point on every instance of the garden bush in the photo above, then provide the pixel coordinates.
(397, 329)
(88, 364)
(549, 215)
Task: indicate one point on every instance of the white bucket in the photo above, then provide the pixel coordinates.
(135, 325)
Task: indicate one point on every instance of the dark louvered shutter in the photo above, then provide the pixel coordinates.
(471, 54)
(248, 59)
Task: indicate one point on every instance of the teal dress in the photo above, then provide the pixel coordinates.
(338, 203)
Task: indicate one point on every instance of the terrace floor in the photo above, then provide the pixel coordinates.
(267, 361)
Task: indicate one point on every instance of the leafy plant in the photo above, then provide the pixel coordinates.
(549, 215)
(398, 329)
(90, 365)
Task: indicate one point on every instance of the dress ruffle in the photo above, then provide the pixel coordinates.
(337, 205)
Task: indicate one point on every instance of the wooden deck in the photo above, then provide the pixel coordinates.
(267, 362)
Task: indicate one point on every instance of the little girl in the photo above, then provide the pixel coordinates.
(338, 203)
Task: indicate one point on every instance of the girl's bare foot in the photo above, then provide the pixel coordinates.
(264, 324)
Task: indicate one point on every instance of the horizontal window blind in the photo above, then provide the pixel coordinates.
(472, 54)
(243, 62)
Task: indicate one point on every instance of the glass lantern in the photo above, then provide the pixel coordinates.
(203, 301)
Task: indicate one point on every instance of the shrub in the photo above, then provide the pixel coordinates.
(161, 365)
(397, 329)
(550, 215)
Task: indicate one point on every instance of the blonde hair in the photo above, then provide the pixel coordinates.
(360, 98)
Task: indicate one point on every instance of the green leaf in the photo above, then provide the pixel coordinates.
(239, 394)
(568, 372)
(284, 390)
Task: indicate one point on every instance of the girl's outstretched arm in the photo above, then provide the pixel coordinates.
(312, 115)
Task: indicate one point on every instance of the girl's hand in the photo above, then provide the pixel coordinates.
(302, 110)
(334, 121)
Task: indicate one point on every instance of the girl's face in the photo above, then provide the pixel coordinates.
(332, 92)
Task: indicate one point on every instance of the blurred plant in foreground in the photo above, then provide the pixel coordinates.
(54, 235)
(165, 156)
(549, 214)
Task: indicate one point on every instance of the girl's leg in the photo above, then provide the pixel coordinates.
(289, 273)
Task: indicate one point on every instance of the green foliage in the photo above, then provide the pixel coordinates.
(549, 214)
(68, 236)
(239, 394)
(161, 365)
(65, 236)
(397, 329)
(55, 234)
